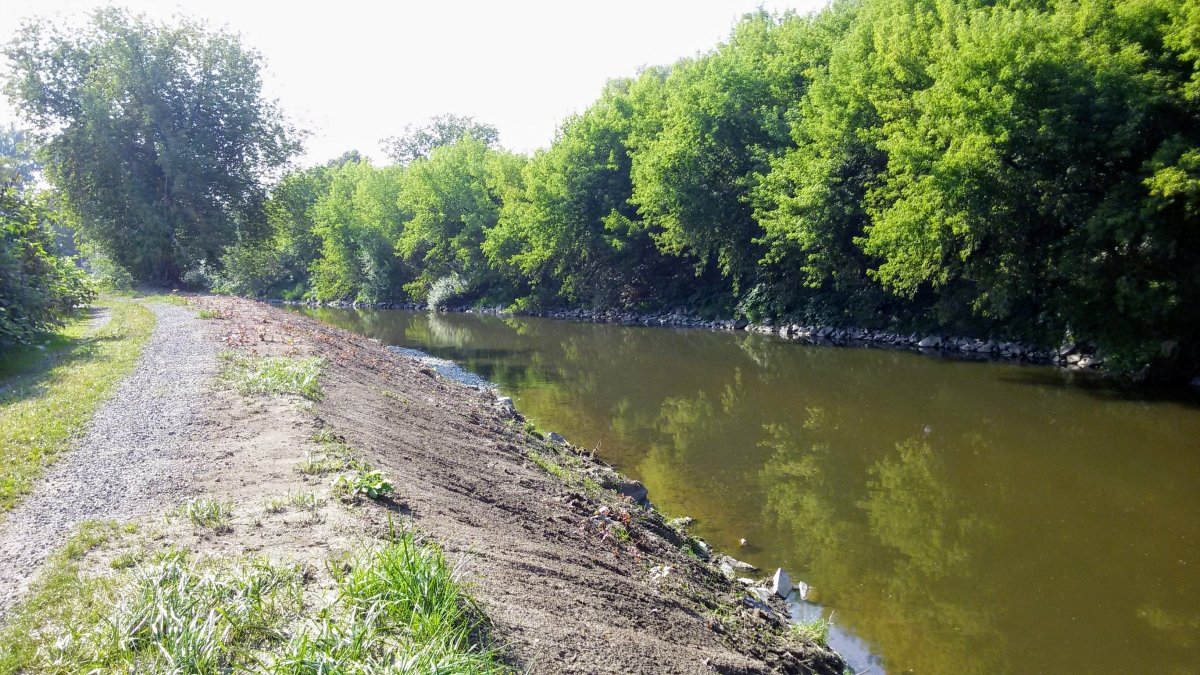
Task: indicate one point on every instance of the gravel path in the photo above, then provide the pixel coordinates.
(135, 458)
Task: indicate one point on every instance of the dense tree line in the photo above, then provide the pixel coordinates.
(1014, 169)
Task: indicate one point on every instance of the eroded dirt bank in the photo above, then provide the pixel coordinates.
(571, 576)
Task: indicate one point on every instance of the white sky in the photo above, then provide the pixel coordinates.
(353, 72)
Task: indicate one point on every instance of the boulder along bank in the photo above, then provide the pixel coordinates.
(574, 570)
(1070, 356)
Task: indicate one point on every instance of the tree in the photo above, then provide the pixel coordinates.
(159, 138)
(418, 143)
(18, 166)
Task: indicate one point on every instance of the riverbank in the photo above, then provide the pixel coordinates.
(1069, 356)
(571, 575)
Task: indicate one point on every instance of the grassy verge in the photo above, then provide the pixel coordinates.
(394, 608)
(276, 375)
(52, 399)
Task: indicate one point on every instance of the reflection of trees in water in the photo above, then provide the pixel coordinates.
(445, 333)
(897, 557)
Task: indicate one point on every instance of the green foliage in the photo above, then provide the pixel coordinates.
(275, 375)
(208, 512)
(159, 136)
(39, 287)
(395, 608)
(1010, 170)
(815, 631)
(419, 143)
(373, 484)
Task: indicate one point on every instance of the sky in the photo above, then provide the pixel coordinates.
(353, 72)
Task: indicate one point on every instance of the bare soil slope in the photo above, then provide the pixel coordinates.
(564, 594)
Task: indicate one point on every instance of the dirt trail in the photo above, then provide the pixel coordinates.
(138, 454)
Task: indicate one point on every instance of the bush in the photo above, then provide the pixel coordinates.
(39, 287)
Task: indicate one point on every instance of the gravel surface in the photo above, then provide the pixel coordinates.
(135, 459)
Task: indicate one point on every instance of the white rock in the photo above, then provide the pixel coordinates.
(556, 438)
(762, 593)
(781, 585)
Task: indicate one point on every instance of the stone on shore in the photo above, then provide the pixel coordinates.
(781, 585)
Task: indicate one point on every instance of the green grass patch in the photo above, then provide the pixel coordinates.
(208, 512)
(815, 631)
(45, 402)
(209, 314)
(395, 608)
(275, 375)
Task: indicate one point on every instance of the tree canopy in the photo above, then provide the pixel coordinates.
(1018, 169)
(159, 138)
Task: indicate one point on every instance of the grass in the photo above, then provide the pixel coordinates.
(210, 513)
(45, 402)
(274, 375)
(815, 631)
(395, 608)
(209, 314)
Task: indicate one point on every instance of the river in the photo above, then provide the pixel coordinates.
(953, 517)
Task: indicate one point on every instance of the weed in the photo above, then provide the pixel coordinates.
(209, 314)
(393, 395)
(316, 467)
(127, 559)
(50, 400)
(305, 500)
(815, 631)
(208, 512)
(549, 466)
(373, 484)
(275, 505)
(276, 375)
(397, 608)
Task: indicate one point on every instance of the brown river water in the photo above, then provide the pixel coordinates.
(952, 517)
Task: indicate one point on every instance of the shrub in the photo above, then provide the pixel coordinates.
(39, 286)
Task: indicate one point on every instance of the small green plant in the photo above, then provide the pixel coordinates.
(209, 314)
(210, 513)
(815, 630)
(308, 501)
(315, 467)
(275, 505)
(276, 375)
(127, 559)
(373, 484)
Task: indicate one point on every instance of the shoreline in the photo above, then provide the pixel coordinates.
(1069, 357)
(533, 511)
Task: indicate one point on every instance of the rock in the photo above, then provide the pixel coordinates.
(781, 585)
(743, 542)
(726, 570)
(555, 438)
(1067, 349)
(1074, 359)
(763, 594)
(802, 590)
(634, 490)
(745, 581)
(1195, 383)
(738, 565)
(931, 342)
(505, 407)
(824, 331)
(740, 324)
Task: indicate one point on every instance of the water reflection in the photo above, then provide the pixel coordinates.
(955, 517)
